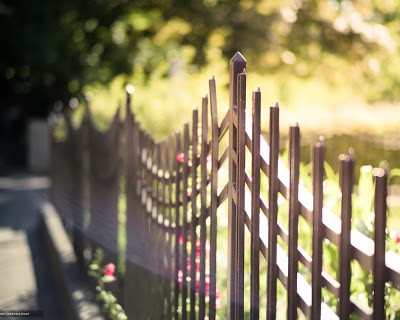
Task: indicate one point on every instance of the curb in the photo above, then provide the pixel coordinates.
(79, 298)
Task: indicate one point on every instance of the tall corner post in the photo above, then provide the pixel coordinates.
(237, 65)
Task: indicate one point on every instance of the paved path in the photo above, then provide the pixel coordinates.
(26, 281)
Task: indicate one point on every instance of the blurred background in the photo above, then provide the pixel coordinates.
(333, 65)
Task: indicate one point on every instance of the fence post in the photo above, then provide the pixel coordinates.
(131, 300)
(273, 186)
(255, 208)
(317, 236)
(214, 197)
(293, 255)
(184, 233)
(237, 65)
(193, 198)
(177, 265)
(346, 185)
(203, 210)
(380, 207)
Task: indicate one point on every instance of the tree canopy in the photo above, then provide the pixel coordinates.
(51, 50)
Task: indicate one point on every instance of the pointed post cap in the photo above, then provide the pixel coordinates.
(237, 65)
(238, 57)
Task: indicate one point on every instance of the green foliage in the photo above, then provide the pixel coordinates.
(108, 301)
(52, 51)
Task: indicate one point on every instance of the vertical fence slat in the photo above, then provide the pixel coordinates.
(293, 255)
(273, 185)
(150, 209)
(177, 225)
(203, 209)
(193, 198)
(164, 231)
(255, 208)
(214, 198)
(318, 155)
(170, 257)
(346, 185)
(185, 217)
(241, 183)
(237, 65)
(134, 303)
(380, 206)
(152, 229)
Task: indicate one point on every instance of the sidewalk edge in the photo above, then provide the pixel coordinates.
(79, 298)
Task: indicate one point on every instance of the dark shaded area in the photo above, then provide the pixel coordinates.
(44, 56)
(12, 140)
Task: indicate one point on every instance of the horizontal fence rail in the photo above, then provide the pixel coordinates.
(214, 204)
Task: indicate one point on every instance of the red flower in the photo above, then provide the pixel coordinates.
(180, 276)
(180, 157)
(109, 270)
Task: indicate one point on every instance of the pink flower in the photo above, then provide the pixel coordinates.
(109, 270)
(397, 238)
(180, 276)
(180, 157)
(180, 239)
(197, 249)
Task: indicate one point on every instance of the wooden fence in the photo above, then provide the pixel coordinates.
(176, 195)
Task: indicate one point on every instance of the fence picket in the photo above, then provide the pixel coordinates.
(273, 188)
(346, 185)
(170, 246)
(184, 222)
(240, 191)
(237, 65)
(193, 199)
(380, 208)
(293, 255)
(164, 230)
(214, 198)
(203, 207)
(318, 156)
(177, 225)
(255, 208)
